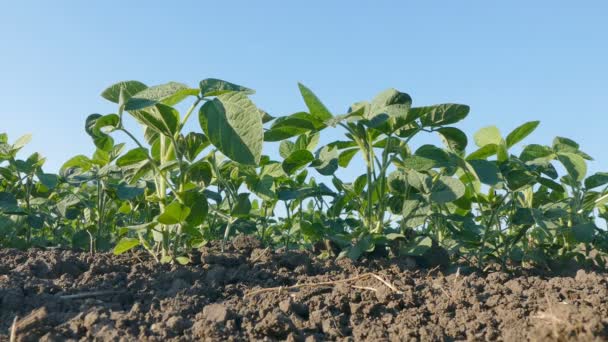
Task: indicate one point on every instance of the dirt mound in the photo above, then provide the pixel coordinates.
(61, 295)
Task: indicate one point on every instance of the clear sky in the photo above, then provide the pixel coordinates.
(511, 61)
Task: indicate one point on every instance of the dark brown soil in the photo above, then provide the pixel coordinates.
(131, 298)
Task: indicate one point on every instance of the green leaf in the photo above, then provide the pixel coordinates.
(273, 169)
(168, 94)
(286, 148)
(584, 232)
(282, 133)
(440, 115)
(521, 132)
(537, 154)
(574, 164)
(233, 125)
(446, 189)
(130, 88)
(80, 161)
(215, 87)
(394, 104)
(426, 158)
(418, 247)
(133, 156)
(419, 181)
(487, 136)
(128, 192)
(101, 140)
(327, 161)
(551, 184)
(182, 260)
(418, 163)
(67, 202)
(22, 141)
(161, 118)
(453, 138)
(360, 247)
(193, 144)
(242, 207)
(125, 244)
(107, 123)
(264, 187)
(199, 207)
(346, 156)
(519, 179)
(49, 180)
(561, 144)
(174, 213)
(483, 152)
(397, 182)
(315, 106)
(300, 120)
(200, 172)
(597, 179)
(487, 171)
(297, 160)
(8, 202)
(307, 141)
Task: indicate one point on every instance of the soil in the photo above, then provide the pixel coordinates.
(63, 295)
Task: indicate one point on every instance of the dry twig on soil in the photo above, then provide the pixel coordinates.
(90, 294)
(325, 283)
(13, 337)
(36, 317)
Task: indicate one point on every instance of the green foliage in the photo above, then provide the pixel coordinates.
(173, 191)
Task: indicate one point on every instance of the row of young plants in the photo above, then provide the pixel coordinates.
(177, 190)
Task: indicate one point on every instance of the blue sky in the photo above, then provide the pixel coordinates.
(511, 61)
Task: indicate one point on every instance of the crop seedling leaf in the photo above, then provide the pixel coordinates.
(198, 205)
(446, 189)
(80, 161)
(297, 160)
(286, 148)
(128, 192)
(487, 171)
(133, 156)
(130, 88)
(242, 207)
(391, 104)
(521, 132)
(161, 118)
(537, 154)
(584, 232)
(487, 136)
(561, 144)
(327, 161)
(168, 94)
(175, 213)
(22, 141)
(125, 245)
(233, 125)
(315, 106)
(193, 144)
(215, 87)
(574, 164)
(418, 247)
(483, 152)
(49, 180)
(440, 115)
(453, 138)
(8, 203)
(419, 181)
(597, 179)
(346, 156)
(107, 123)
